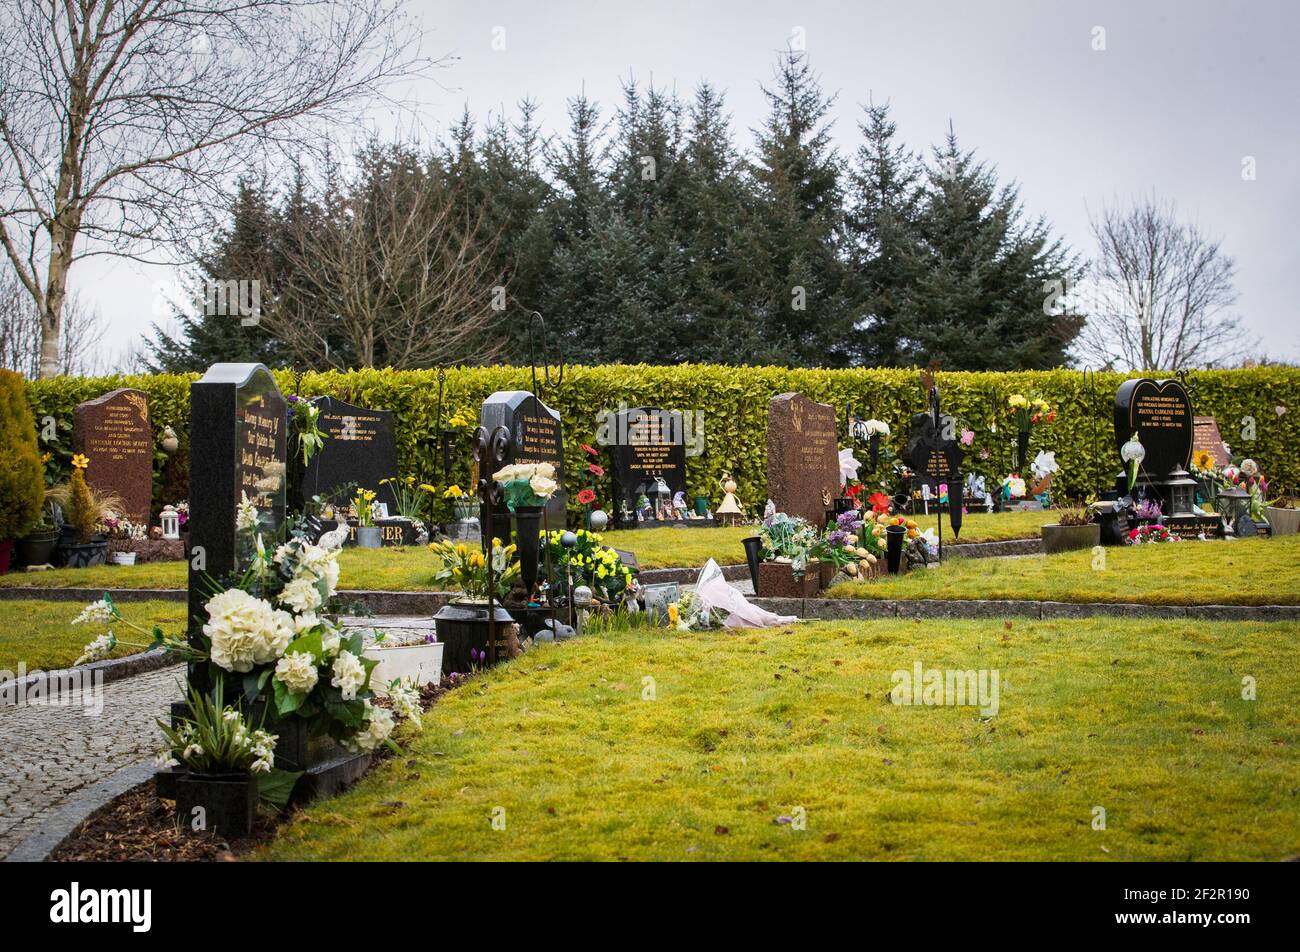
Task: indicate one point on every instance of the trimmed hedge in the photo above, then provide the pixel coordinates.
(734, 402)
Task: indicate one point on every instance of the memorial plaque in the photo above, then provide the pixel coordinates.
(803, 461)
(237, 448)
(114, 433)
(536, 436)
(933, 453)
(1207, 437)
(645, 443)
(360, 449)
(1160, 413)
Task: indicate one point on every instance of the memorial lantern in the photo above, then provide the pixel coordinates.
(170, 520)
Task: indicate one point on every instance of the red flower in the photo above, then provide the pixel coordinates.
(879, 502)
(595, 469)
(1035, 418)
(591, 450)
(587, 497)
(853, 490)
(1051, 417)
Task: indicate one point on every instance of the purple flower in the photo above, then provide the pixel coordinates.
(430, 638)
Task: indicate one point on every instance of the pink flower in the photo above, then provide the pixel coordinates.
(967, 437)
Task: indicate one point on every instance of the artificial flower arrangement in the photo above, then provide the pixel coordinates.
(80, 506)
(304, 427)
(1030, 411)
(215, 738)
(465, 565)
(120, 527)
(1247, 476)
(1013, 487)
(849, 545)
(589, 562)
(1148, 510)
(1151, 533)
(593, 472)
(267, 637)
(787, 538)
(526, 484)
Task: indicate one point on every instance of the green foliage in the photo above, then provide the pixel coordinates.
(734, 403)
(22, 477)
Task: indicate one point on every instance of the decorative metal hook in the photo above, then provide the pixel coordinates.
(535, 322)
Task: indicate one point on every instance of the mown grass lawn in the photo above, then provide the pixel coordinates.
(41, 634)
(1143, 719)
(1249, 572)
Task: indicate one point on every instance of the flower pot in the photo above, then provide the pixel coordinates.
(1058, 538)
(778, 580)
(1283, 521)
(38, 548)
(81, 555)
(224, 804)
(124, 558)
(420, 664)
(753, 555)
(368, 537)
(6, 554)
(826, 574)
(701, 505)
(463, 626)
(894, 537)
(528, 527)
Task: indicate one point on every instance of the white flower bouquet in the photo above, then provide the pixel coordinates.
(526, 484)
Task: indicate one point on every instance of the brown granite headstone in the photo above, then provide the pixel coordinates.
(803, 459)
(1206, 436)
(114, 434)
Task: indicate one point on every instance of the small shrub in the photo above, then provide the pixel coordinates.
(1073, 517)
(22, 477)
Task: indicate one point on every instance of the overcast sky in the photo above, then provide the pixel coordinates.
(1181, 93)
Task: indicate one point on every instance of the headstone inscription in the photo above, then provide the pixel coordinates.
(1160, 413)
(114, 433)
(646, 446)
(536, 436)
(803, 461)
(237, 450)
(360, 451)
(1207, 437)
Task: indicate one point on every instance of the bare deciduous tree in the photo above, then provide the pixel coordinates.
(120, 118)
(81, 334)
(397, 275)
(1160, 293)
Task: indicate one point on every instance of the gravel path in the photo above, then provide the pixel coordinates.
(49, 752)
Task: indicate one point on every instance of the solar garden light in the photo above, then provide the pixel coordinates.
(569, 539)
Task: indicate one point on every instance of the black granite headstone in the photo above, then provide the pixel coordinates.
(536, 436)
(360, 450)
(1160, 413)
(237, 448)
(645, 443)
(934, 453)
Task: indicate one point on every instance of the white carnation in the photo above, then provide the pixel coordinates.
(301, 595)
(349, 675)
(297, 671)
(379, 724)
(245, 631)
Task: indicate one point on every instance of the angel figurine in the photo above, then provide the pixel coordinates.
(732, 509)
